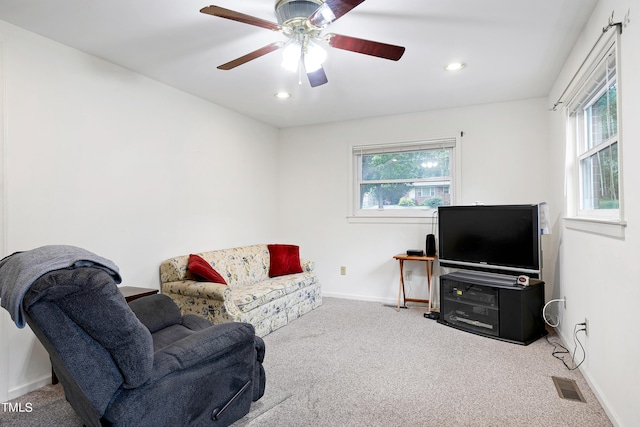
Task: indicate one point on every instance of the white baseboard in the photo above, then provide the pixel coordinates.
(26, 388)
(386, 301)
(600, 396)
(389, 301)
(593, 385)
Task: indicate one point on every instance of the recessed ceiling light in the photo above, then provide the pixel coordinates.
(455, 66)
(282, 95)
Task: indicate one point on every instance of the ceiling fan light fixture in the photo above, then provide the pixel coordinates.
(291, 55)
(455, 66)
(302, 22)
(314, 56)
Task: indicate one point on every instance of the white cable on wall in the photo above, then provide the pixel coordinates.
(544, 316)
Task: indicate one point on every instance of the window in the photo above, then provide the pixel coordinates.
(403, 179)
(593, 137)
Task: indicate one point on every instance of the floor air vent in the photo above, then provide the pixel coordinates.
(568, 389)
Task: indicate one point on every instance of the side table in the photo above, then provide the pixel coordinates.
(130, 293)
(428, 260)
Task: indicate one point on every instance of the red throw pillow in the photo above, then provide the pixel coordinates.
(202, 270)
(284, 259)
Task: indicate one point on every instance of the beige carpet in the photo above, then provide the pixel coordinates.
(354, 363)
(49, 408)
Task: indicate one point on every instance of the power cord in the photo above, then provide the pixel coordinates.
(555, 353)
(548, 319)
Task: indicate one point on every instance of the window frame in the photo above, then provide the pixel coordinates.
(411, 215)
(584, 95)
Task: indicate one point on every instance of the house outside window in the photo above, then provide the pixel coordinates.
(433, 191)
(593, 137)
(403, 179)
(429, 191)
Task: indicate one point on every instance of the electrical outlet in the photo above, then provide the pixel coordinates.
(408, 276)
(586, 326)
(343, 270)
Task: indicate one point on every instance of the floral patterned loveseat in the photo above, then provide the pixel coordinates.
(249, 295)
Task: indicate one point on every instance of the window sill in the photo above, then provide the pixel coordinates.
(380, 219)
(615, 229)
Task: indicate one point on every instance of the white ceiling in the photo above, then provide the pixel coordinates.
(513, 50)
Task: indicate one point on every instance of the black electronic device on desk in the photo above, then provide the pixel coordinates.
(415, 252)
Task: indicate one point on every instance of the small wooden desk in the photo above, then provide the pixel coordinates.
(132, 293)
(428, 260)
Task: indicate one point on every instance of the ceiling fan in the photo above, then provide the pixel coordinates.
(302, 22)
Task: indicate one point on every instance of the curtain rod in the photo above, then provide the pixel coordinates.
(610, 25)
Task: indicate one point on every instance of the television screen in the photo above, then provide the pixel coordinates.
(498, 238)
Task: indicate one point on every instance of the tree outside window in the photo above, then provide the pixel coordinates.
(401, 176)
(600, 169)
(593, 116)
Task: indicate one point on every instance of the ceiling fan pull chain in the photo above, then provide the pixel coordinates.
(300, 75)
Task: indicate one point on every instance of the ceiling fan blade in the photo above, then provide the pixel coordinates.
(368, 47)
(251, 56)
(332, 10)
(317, 78)
(240, 17)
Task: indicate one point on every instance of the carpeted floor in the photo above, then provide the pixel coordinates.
(48, 407)
(355, 363)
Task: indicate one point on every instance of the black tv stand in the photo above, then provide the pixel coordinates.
(493, 305)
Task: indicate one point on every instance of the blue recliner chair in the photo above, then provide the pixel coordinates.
(141, 364)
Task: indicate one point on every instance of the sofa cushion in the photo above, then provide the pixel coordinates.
(284, 259)
(248, 297)
(202, 270)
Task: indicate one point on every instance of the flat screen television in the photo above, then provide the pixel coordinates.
(501, 239)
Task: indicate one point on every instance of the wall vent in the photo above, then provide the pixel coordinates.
(568, 389)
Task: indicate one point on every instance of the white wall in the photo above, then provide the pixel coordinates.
(599, 274)
(504, 154)
(99, 157)
(103, 158)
